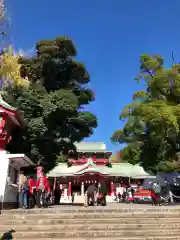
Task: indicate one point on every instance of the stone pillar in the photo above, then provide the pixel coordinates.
(85, 200)
(82, 189)
(112, 189)
(69, 189)
(65, 192)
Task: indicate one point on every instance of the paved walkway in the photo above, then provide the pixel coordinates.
(122, 205)
(110, 206)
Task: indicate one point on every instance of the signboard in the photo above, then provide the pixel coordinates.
(39, 172)
(143, 195)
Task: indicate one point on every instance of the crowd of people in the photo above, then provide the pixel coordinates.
(32, 193)
(126, 193)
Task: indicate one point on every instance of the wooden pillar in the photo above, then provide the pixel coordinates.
(69, 189)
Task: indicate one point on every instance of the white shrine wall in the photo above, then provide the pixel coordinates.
(3, 174)
(9, 173)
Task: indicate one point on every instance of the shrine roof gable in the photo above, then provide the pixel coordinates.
(12, 113)
(6, 106)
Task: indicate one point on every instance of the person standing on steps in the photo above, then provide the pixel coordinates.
(42, 189)
(57, 193)
(72, 197)
(91, 192)
(32, 192)
(23, 190)
(102, 193)
(130, 195)
(156, 194)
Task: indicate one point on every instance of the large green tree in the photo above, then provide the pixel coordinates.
(152, 120)
(53, 103)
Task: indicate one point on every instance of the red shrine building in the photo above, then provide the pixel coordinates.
(10, 163)
(9, 119)
(92, 165)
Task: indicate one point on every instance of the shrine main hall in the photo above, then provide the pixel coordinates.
(90, 165)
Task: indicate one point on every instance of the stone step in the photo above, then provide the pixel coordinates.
(91, 215)
(98, 209)
(95, 227)
(114, 238)
(100, 233)
(47, 221)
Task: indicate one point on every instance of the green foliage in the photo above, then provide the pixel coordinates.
(109, 165)
(52, 106)
(131, 155)
(61, 159)
(152, 120)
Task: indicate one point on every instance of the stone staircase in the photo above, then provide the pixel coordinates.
(114, 222)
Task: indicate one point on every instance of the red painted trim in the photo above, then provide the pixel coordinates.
(85, 160)
(79, 161)
(10, 112)
(104, 161)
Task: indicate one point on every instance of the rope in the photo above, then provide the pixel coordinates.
(165, 198)
(175, 195)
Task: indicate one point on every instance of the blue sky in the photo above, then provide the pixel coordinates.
(109, 36)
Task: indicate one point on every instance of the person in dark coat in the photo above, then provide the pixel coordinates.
(57, 193)
(91, 191)
(32, 192)
(156, 194)
(72, 197)
(102, 190)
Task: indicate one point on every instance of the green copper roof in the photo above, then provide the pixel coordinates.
(91, 147)
(127, 169)
(117, 169)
